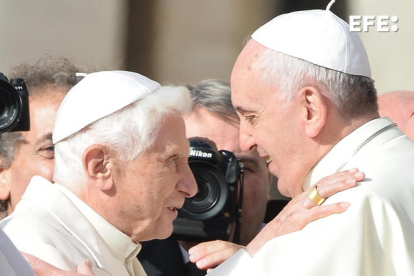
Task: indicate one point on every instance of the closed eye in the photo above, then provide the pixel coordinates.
(250, 118)
(48, 152)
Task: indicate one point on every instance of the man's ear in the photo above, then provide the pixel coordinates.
(98, 166)
(4, 185)
(315, 110)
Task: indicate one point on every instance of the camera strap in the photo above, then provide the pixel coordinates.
(239, 217)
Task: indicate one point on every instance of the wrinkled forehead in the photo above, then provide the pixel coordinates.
(247, 61)
(246, 70)
(247, 80)
(170, 135)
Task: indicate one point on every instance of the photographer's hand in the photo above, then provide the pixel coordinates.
(210, 254)
(301, 210)
(41, 268)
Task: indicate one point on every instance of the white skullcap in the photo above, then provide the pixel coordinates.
(319, 37)
(96, 96)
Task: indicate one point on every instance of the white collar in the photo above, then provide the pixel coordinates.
(82, 222)
(343, 151)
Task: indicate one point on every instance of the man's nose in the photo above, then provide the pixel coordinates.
(247, 142)
(187, 184)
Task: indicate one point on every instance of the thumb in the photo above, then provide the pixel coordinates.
(85, 267)
(38, 266)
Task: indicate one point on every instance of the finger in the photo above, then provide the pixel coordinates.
(337, 183)
(29, 258)
(218, 257)
(204, 249)
(295, 204)
(326, 187)
(338, 177)
(324, 211)
(331, 185)
(40, 267)
(85, 267)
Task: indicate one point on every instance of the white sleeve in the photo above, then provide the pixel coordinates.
(37, 238)
(238, 264)
(12, 262)
(369, 239)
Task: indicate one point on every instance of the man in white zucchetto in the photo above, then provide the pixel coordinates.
(303, 90)
(120, 175)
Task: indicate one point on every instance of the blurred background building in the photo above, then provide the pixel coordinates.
(184, 41)
(180, 41)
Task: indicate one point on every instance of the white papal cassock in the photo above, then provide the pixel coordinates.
(12, 262)
(51, 223)
(374, 237)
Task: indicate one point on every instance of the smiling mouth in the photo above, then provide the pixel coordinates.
(268, 159)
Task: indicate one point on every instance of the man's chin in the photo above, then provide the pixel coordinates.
(159, 232)
(272, 169)
(282, 186)
(165, 232)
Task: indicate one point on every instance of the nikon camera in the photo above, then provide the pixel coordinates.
(214, 212)
(14, 105)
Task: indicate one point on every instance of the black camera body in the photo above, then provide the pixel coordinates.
(211, 214)
(14, 105)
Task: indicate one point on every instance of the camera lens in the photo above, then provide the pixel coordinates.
(212, 192)
(9, 107)
(207, 194)
(211, 213)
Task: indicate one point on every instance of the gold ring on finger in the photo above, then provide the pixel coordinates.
(315, 196)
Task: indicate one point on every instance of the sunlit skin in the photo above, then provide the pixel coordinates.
(399, 107)
(295, 134)
(269, 124)
(141, 197)
(204, 123)
(36, 153)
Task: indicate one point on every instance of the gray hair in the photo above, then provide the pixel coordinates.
(128, 132)
(47, 72)
(215, 96)
(352, 95)
(44, 73)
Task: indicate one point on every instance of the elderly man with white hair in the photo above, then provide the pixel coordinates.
(121, 173)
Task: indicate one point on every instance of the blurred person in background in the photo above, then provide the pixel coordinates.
(399, 107)
(24, 154)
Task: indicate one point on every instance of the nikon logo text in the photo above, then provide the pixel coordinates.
(199, 153)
